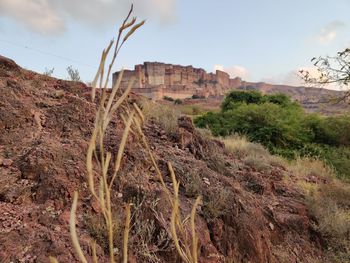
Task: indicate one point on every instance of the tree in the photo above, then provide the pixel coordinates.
(177, 101)
(236, 97)
(332, 69)
(273, 120)
(73, 74)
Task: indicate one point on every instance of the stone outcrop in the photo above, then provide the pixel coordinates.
(156, 80)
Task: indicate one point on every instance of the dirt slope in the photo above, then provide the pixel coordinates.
(45, 124)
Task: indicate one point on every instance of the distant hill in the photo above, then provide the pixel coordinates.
(313, 99)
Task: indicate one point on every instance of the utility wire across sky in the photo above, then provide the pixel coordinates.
(11, 43)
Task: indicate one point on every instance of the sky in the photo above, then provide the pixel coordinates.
(257, 40)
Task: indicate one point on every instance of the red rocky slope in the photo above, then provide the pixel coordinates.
(45, 123)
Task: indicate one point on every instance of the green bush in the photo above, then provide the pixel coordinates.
(194, 97)
(266, 123)
(177, 101)
(235, 98)
(283, 127)
(168, 98)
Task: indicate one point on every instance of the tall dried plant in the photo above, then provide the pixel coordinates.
(187, 248)
(99, 160)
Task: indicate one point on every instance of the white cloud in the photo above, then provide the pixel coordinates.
(51, 16)
(234, 71)
(329, 32)
(35, 14)
(163, 10)
(290, 78)
(218, 67)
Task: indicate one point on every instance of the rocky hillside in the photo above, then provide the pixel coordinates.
(247, 214)
(312, 99)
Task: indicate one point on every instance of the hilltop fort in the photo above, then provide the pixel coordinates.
(156, 80)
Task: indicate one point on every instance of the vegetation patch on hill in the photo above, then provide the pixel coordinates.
(283, 127)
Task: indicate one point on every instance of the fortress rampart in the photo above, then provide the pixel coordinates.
(156, 80)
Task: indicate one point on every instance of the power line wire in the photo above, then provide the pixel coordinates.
(46, 53)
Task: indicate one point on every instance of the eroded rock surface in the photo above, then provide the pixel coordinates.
(246, 215)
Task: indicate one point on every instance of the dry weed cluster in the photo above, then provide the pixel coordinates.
(103, 168)
(329, 203)
(252, 154)
(165, 115)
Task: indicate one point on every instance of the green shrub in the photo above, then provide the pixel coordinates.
(283, 128)
(177, 101)
(339, 158)
(266, 123)
(194, 97)
(168, 98)
(234, 98)
(213, 121)
(332, 131)
(278, 98)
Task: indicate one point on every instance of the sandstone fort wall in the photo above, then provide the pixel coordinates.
(156, 80)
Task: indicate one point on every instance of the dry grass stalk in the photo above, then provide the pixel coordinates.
(187, 252)
(94, 254)
(164, 115)
(304, 167)
(53, 260)
(108, 106)
(193, 230)
(126, 233)
(73, 231)
(328, 202)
